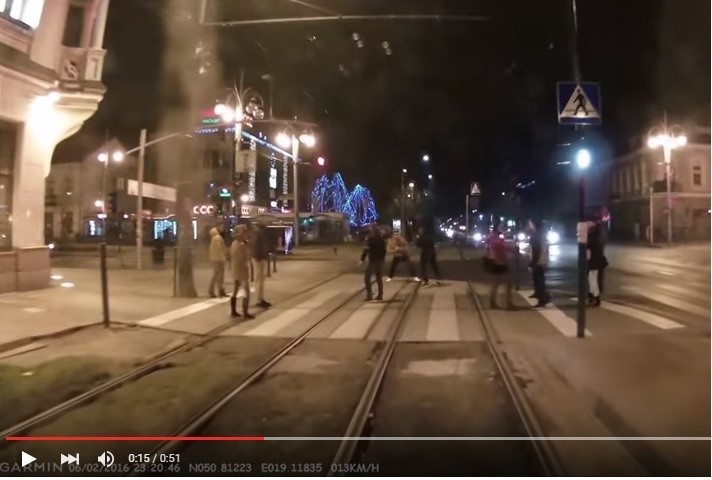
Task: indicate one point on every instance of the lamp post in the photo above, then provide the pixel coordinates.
(285, 140)
(583, 161)
(104, 157)
(668, 138)
(403, 231)
(248, 105)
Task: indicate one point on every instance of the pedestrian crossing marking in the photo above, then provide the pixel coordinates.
(649, 318)
(554, 316)
(167, 317)
(673, 302)
(283, 319)
(442, 318)
(359, 322)
(705, 297)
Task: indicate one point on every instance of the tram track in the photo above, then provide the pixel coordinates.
(196, 425)
(135, 374)
(355, 439)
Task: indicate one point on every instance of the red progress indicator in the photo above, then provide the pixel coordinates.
(83, 438)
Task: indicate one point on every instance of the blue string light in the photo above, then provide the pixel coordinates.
(360, 207)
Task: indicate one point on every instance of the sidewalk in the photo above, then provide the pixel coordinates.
(74, 300)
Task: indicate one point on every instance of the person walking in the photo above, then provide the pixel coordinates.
(259, 254)
(398, 247)
(240, 268)
(497, 265)
(596, 262)
(428, 256)
(538, 262)
(375, 251)
(217, 252)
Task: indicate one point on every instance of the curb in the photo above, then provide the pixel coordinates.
(21, 342)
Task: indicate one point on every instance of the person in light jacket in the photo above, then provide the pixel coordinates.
(217, 253)
(240, 269)
(398, 247)
(259, 253)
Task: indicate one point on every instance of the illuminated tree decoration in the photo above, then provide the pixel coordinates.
(360, 207)
(320, 194)
(338, 195)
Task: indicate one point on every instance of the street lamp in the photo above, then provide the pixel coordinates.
(430, 176)
(115, 156)
(321, 161)
(583, 161)
(669, 138)
(411, 185)
(243, 104)
(426, 158)
(285, 140)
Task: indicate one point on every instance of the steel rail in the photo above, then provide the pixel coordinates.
(362, 412)
(135, 374)
(543, 449)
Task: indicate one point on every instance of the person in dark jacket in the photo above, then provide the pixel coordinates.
(596, 262)
(427, 255)
(375, 251)
(538, 261)
(259, 254)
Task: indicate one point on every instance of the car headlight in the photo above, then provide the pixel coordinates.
(552, 237)
(477, 237)
(521, 237)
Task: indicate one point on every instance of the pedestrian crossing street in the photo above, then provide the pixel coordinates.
(447, 313)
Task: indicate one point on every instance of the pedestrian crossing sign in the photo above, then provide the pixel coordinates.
(474, 189)
(579, 103)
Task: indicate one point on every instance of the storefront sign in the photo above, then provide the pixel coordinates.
(272, 177)
(204, 210)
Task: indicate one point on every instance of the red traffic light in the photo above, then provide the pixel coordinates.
(321, 161)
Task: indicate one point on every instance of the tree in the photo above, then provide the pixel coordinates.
(320, 194)
(360, 207)
(338, 194)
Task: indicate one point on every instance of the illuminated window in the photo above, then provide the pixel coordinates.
(26, 11)
(697, 176)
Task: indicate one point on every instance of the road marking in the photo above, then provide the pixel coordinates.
(673, 302)
(705, 297)
(442, 318)
(273, 325)
(164, 318)
(665, 272)
(564, 324)
(359, 322)
(649, 318)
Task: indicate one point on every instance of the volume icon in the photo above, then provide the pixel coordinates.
(106, 459)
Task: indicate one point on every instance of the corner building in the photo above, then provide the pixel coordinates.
(51, 62)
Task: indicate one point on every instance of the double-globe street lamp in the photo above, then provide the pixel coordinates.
(669, 138)
(116, 156)
(286, 139)
(583, 161)
(242, 105)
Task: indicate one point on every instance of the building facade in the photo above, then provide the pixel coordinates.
(51, 62)
(638, 185)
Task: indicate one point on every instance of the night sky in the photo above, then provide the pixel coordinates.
(478, 97)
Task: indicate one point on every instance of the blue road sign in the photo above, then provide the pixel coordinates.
(579, 103)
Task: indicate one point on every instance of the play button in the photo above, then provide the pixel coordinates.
(27, 459)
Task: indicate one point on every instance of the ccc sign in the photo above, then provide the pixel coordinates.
(204, 210)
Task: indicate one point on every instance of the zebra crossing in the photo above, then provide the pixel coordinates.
(447, 313)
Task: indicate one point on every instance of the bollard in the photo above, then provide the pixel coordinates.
(252, 271)
(175, 271)
(274, 263)
(104, 284)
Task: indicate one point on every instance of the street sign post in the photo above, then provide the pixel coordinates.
(578, 103)
(474, 192)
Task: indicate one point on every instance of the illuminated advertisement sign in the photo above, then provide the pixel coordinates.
(204, 210)
(273, 177)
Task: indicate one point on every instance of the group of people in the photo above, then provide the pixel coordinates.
(497, 264)
(249, 247)
(375, 252)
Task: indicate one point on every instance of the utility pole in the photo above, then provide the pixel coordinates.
(139, 200)
(295, 159)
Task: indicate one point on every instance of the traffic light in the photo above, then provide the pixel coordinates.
(113, 203)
